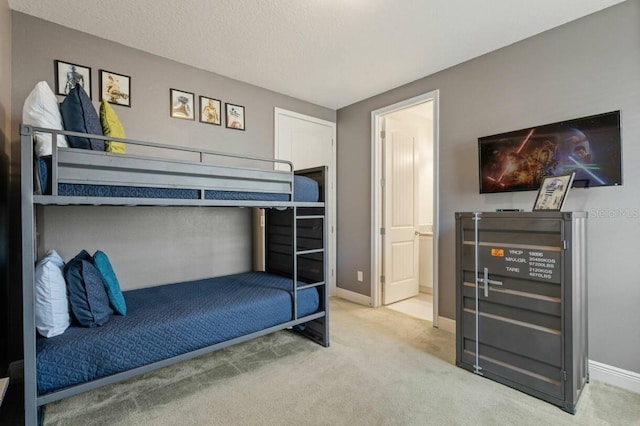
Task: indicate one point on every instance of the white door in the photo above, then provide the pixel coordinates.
(400, 216)
(310, 142)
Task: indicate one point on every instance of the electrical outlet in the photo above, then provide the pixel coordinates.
(360, 276)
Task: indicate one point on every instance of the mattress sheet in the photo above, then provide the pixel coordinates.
(167, 321)
(305, 189)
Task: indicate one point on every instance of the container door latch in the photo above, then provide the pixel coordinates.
(485, 279)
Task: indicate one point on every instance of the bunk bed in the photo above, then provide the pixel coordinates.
(173, 322)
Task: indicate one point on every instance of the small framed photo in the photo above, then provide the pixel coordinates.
(68, 75)
(115, 88)
(235, 116)
(210, 111)
(181, 104)
(553, 191)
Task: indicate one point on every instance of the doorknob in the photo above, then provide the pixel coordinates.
(422, 234)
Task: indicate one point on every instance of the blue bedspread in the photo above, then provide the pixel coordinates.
(305, 189)
(166, 321)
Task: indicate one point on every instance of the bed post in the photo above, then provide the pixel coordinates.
(325, 261)
(325, 256)
(28, 262)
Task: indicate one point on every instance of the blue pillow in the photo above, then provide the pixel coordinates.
(79, 115)
(88, 299)
(111, 284)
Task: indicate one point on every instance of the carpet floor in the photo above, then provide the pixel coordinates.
(382, 368)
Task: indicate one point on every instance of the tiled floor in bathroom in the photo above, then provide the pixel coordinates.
(420, 306)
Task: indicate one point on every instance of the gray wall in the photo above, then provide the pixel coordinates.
(184, 243)
(5, 131)
(586, 67)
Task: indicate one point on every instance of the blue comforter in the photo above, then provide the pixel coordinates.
(166, 321)
(305, 189)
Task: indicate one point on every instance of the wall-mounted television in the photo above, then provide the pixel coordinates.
(519, 160)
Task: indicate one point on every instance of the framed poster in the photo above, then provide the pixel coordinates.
(115, 88)
(181, 104)
(210, 111)
(68, 75)
(553, 191)
(235, 116)
(518, 160)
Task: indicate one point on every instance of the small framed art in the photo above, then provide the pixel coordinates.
(234, 116)
(115, 88)
(553, 191)
(210, 110)
(68, 75)
(181, 104)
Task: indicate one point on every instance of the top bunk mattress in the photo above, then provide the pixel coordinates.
(305, 189)
(167, 321)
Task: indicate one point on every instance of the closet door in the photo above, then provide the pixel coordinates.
(514, 307)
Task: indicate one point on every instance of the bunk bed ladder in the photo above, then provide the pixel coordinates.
(296, 253)
(296, 238)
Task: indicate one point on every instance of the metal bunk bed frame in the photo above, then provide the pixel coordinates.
(67, 161)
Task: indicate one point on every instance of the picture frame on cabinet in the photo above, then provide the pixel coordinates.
(553, 191)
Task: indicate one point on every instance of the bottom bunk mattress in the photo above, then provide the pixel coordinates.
(167, 321)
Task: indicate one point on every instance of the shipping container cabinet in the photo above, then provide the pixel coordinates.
(521, 301)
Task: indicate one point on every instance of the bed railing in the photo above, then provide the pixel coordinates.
(81, 166)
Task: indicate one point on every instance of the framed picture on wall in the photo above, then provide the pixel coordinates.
(115, 88)
(234, 116)
(68, 75)
(210, 111)
(181, 104)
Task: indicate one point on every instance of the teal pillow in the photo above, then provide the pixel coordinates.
(111, 284)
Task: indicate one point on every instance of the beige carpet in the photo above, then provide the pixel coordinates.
(383, 368)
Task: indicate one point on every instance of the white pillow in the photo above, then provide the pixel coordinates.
(41, 109)
(52, 305)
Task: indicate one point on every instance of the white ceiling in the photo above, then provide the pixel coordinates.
(328, 52)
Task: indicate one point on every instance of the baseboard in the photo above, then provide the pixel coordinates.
(615, 376)
(354, 297)
(446, 324)
(425, 289)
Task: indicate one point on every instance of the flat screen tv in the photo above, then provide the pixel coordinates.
(519, 160)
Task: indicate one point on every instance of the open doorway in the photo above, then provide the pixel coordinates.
(405, 206)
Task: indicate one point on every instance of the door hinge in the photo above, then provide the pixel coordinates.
(564, 375)
(382, 134)
(381, 279)
(382, 231)
(565, 244)
(382, 183)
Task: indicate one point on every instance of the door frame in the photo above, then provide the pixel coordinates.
(278, 112)
(376, 194)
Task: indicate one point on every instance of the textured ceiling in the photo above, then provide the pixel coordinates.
(329, 52)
